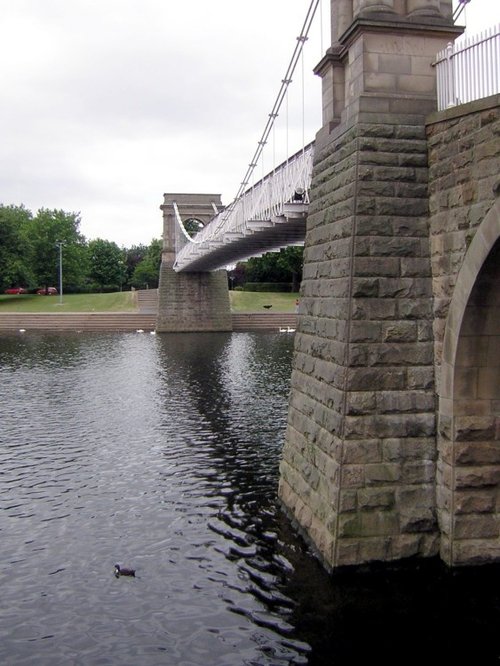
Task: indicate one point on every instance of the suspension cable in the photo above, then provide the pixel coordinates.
(303, 103)
(321, 26)
(459, 9)
(301, 39)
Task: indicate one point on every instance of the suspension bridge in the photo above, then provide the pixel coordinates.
(267, 217)
(391, 447)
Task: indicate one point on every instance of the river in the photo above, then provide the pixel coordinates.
(161, 452)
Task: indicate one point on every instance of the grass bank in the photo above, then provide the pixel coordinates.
(122, 301)
(254, 301)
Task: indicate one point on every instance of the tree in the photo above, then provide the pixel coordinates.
(46, 230)
(145, 275)
(15, 269)
(154, 251)
(192, 226)
(107, 267)
(282, 266)
(291, 260)
(237, 275)
(147, 272)
(133, 256)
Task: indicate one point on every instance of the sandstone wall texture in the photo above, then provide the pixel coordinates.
(388, 232)
(193, 301)
(359, 459)
(464, 167)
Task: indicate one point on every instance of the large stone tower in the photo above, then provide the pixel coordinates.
(190, 301)
(359, 461)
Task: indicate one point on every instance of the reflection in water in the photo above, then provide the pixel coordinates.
(156, 451)
(162, 452)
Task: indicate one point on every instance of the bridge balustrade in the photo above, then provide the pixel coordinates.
(469, 70)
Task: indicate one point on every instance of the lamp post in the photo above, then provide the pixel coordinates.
(60, 245)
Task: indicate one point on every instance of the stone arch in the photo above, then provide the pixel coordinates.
(468, 473)
(193, 225)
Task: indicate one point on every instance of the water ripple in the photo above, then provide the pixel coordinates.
(162, 452)
(142, 450)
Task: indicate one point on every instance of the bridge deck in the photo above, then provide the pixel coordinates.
(259, 237)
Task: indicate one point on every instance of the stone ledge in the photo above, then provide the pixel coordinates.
(463, 110)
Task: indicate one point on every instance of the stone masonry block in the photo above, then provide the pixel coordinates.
(352, 476)
(395, 247)
(476, 526)
(409, 448)
(421, 378)
(477, 477)
(373, 309)
(415, 497)
(361, 452)
(477, 453)
(382, 473)
(475, 502)
(475, 428)
(418, 520)
(363, 331)
(368, 523)
(372, 549)
(416, 308)
(415, 267)
(403, 331)
(361, 402)
(418, 472)
(376, 266)
(476, 551)
(375, 498)
(405, 287)
(362, 379)
(401, 402)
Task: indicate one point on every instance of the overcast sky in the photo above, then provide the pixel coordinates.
(107, 104)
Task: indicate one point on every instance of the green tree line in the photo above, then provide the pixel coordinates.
(30, 246)
(284, 267)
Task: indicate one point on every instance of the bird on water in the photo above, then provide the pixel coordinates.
(123, 571)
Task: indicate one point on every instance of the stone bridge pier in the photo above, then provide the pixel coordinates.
(190, 301)
(392, 447)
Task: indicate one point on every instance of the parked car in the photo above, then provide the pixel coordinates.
(16, 290)
(50, 291)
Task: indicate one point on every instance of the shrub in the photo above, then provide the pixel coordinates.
(282, 287)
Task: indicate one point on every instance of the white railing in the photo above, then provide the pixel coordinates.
(264, 201)
(469, 69)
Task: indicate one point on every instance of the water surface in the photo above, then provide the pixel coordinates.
(161, 452)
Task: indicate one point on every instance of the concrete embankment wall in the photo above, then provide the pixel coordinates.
(122, 321)
(257, 321)
(89, 321)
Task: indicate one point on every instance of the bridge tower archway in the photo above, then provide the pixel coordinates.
(468, 471)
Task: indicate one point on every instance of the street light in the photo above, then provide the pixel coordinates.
(60, 245)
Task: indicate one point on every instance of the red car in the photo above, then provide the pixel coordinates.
(16, 290)
(51, 291)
